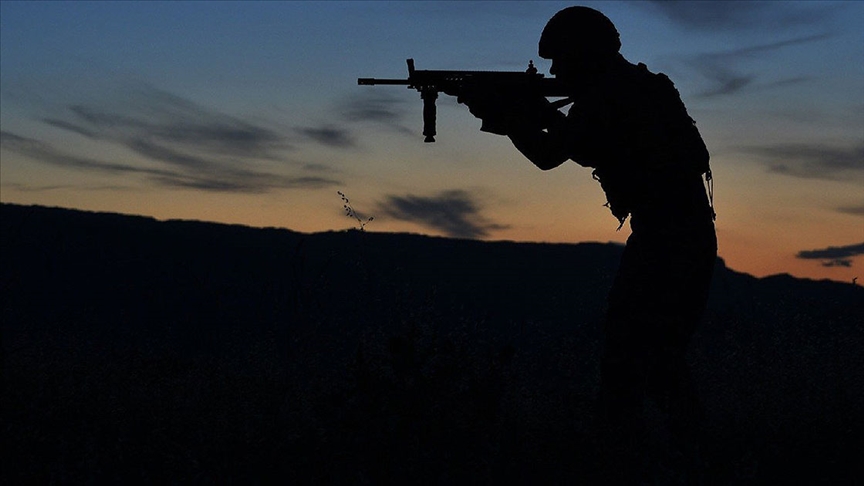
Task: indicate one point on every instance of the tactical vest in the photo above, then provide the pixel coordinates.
(656, 138)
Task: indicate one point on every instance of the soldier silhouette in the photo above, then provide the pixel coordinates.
(632, 128)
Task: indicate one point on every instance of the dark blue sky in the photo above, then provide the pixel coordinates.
(249, 112)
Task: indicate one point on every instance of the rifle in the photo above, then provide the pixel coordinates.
(429, 83)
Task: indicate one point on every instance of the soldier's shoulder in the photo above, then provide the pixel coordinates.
(656, 84)
(643, 71)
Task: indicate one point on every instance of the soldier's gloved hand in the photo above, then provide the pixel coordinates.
(505, 112)
(483, 104)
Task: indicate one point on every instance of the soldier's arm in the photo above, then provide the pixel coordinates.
(545, 149)
(544, 135)
(576, 138)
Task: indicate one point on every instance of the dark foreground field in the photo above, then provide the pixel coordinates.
(183, 352)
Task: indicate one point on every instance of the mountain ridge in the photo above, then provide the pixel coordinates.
(185, 351)
(19, 207)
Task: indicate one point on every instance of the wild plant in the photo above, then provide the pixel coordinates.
(349, 211)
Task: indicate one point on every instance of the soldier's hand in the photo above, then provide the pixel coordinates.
(505, 112)
(481, 103)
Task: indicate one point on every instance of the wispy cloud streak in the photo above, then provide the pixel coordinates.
(165, 119)
(724, 76)
(834, 256)
(455, 213)
(182, 144)
(378, 107)
(814, 161)
(329, 136)
(854, 210)
(46, 153)
(721, 15)
(224, 179)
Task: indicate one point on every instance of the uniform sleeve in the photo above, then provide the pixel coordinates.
(590, 132)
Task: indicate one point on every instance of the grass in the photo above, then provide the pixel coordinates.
(409, 400)
(335, 365)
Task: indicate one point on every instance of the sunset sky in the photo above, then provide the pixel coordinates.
(250, 113)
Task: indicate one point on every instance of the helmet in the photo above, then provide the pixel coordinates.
(579, 29)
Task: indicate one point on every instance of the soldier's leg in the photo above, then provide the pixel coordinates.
(624, 366)
(669, 382)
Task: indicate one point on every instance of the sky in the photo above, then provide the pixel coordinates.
(250, 113)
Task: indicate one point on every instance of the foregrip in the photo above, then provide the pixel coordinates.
(429, 113)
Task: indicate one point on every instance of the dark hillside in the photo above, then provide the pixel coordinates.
(182, 351)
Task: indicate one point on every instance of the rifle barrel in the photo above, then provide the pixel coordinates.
(374, 81)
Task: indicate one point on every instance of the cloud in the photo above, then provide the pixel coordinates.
(771, 46)
(182, 143)
(161, 118)
(709, 15)
(813, 161)
(376, 106)
(834, 256)
(455, 213)
(788, 81)
(726, 81)
(59, 187)
(46, 153)
(328, 135)
(738, 16)
(72, 127)
(855, 210)
(184, 171)
(725, 78)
